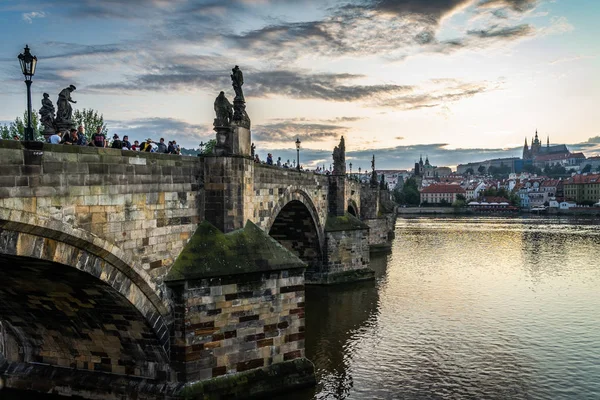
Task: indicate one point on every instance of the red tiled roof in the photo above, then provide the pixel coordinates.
(577, 155)
(550, 183)
(443, 189)
(581, 179)
(551, 157)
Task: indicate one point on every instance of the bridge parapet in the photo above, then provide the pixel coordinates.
(145, 204)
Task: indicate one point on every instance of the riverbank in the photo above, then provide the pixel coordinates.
(574, 212)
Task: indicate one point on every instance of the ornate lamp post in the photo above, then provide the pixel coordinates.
(28, 64)
(298, 153)
(350, 169)
(201, 147)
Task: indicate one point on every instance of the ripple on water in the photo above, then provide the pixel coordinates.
(478, 308)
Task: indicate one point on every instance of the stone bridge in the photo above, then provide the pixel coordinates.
(97, 298)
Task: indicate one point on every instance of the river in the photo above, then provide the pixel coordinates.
(465, 308)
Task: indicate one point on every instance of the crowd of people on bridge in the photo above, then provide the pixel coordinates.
(77, 137)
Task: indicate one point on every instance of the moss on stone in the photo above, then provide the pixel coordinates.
(356, 275)
(256, 383)
(346, 222)
(211, 253)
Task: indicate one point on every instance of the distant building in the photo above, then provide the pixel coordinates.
(510, 163)
(425, 170)
(580, 188)
(545, 156)
(434, 194)
(537, 149)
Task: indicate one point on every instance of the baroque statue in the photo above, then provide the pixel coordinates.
(339, 158)
(47, 113)
(237, 80)
(224, 110)
(65, 111)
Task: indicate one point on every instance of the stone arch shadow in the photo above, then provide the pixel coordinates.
(295, 223)
(29, 236)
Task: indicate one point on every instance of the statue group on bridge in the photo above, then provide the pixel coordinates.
(63, 121)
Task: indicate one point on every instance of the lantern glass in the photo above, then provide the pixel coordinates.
(298, 143)
(28, 63)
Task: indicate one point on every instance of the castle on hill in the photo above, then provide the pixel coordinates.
(537, 149)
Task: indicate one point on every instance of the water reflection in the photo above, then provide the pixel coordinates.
(467, 308)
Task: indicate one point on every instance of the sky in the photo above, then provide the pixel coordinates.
(454, 80)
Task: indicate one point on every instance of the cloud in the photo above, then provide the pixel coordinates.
(507, 32)
(187, 134)
(288, 131)
(29, 17)
(443, 92)
(515, 5)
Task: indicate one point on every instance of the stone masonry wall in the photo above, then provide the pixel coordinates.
(369, 200)
(236, 323)
(347, 250)
(274, 187)
(378, 234)
(146, 204)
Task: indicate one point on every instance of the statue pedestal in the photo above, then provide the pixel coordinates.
(239, 140)
(64, 126)
(223, 146)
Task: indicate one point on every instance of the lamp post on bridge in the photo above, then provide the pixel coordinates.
(298, 153)
(202, 147)
(350, 169)
(28, 64)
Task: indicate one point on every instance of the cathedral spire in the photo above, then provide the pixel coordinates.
(548, 141)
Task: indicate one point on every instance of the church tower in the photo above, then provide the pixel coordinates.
(525, 150)
(536, 145)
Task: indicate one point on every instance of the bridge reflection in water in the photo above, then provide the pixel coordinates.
(334, 315)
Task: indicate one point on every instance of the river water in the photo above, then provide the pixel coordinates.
(465, 308)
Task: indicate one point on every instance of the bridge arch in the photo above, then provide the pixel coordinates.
(27, 236)
(353, 208)
(53, 315)
(296, 225)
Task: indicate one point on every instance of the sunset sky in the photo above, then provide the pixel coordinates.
(457, 80)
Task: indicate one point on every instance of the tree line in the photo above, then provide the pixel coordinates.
(89, 118)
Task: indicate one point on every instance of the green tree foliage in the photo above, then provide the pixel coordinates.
(555, 171)
(90, 119)
(409, 194)
(499, 172)
(587, 168)
(17, 127)
(470, 171)
(481, 170)
(460, 197)
(532, 169)
(512, 198)
(209, 147)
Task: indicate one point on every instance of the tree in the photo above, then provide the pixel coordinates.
(209, 148)
(17, 127)
(532, 169)
(90, 119)
(587, 168)
(461, 197)
(409, 194)
(481, 170)
(470, 171)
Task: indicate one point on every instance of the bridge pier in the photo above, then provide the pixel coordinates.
(239, 315)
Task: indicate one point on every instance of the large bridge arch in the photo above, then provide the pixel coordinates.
(26, 235)
(55, 316)
(296, 225)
